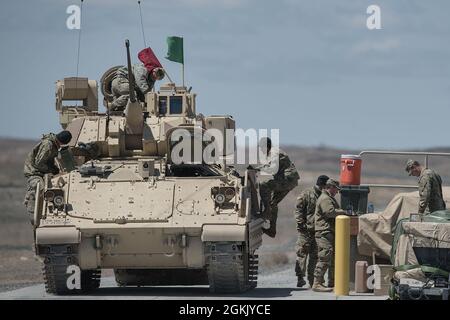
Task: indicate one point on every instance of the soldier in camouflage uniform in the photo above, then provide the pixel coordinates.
(40, 161)
(145, 74)
(306, 247)
(327, 209)
(285, 178)
(430, 187)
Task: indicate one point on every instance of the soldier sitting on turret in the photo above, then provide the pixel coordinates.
(145, 75)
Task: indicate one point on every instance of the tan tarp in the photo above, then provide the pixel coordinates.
(376, 229)
(422, 235)
(405, 253)
(415, 273)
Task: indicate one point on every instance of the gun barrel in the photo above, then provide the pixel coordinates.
(133, 111)
(130, 73)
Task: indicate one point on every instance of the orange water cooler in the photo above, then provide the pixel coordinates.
(350, 170)
(354, 198)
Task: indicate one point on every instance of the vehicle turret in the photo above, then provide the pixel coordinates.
(142, 129)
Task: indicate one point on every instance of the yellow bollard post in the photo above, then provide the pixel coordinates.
(342, 256)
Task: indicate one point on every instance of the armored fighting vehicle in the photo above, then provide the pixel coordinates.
(130, 207)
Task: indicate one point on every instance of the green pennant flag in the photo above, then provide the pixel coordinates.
(175, 49)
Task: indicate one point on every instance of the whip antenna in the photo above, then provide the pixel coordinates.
(143, 35)
(142, 24)
(79, 45)
(79, 36)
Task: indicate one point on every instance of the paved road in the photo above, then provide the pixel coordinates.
(276, 285)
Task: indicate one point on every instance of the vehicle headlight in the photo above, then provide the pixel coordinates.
(222, 195)
(58, 201)
(229, 193)
(55, 196)
(49, 195)
(220, 198)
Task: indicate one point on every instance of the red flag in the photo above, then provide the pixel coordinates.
(149, 59)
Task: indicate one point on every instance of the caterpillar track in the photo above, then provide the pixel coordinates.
(231, 269)
(57, 259)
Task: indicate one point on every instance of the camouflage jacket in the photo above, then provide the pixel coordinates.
(41, 159)
(305, 208)
(141, 76)
(327, 209)
(430, 191)
(280, 166)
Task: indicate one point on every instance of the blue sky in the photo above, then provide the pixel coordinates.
(310, 68)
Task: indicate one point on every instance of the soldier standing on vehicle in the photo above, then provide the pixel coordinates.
(306, 247)
(285, 178)
(145, 74)
(327, 209)
(40, 161)
(430, 187)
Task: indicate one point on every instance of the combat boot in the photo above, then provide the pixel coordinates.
(318, 287)
(300, 282)
(271, 232)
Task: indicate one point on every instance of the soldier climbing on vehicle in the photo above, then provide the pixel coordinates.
(41, 161)
(285, 178)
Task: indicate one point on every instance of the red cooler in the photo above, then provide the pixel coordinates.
(350, 170)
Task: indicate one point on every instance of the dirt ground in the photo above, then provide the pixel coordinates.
(18, 264)
(19, 267)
